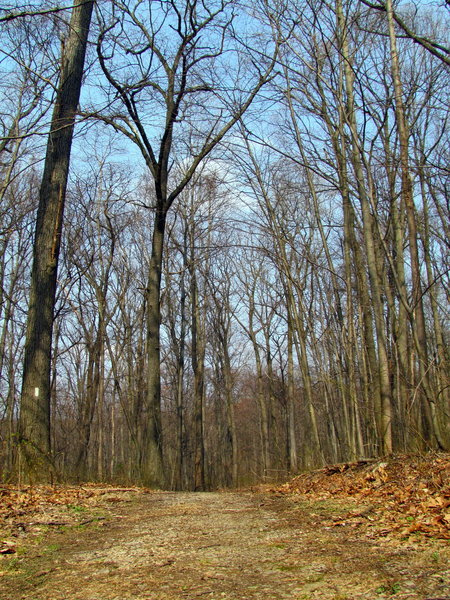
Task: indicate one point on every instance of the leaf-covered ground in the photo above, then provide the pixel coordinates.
(27, 513)
(365, 531)
(403, 495)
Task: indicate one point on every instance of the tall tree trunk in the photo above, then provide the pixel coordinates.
(400, 316)
(197, 358)
(383, 409)
(198, 368)
(101, 413)
(7, 366)
(34, 426)
(315, 455)
(291, 437)
(442, 358)
(407, 195)
(355, 275)
(180, 456)
(266, 457)
(231, 436)
(152, 468)
(88, 405)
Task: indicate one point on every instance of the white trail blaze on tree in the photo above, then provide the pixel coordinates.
(34, 427)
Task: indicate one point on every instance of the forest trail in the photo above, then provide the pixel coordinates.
(221, 546)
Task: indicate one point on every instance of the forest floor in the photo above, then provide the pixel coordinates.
(362, 531)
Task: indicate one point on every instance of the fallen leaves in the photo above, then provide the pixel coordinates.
(7, 547)
(405, 496)
(26, 511)
(408, 494)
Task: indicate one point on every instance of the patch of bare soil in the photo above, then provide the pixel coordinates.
(132, 545)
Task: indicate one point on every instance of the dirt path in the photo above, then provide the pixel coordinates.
(232, 546)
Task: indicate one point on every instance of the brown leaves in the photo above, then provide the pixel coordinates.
(30, 510)
(409, 494)
(17, 502)
(7, 547)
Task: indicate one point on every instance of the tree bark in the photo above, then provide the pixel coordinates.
(291, 436)
(407, 195)
(34, 426)
(152, 468)
(198, 368)
(383, 409)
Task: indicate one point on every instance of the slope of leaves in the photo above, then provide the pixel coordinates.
(26, 512)
(402, 495)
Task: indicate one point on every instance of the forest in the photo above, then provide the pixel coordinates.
(224, 249)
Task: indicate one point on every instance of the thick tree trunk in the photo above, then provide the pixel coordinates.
(180, 454)
(198, 368)
(152, 468)
(34, 427)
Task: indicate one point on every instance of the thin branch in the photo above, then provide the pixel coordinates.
(437, 50)
(35, 13)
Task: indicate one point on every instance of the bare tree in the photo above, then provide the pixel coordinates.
(168, 67)
(35, 400)
(22, 11)
(437, 48)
